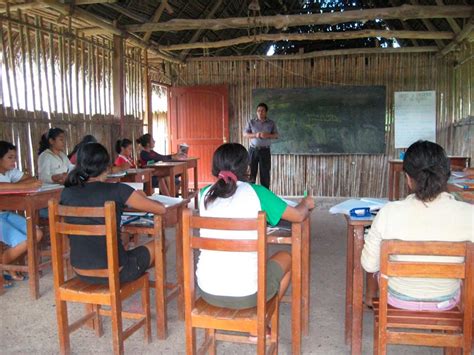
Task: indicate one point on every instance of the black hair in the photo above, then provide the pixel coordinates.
(89, 138)
(122, 143)
(264, 105)
(144, 140)
(231, 157)
(51, 134)
(92, 160)
(5, 147)
(428, 166)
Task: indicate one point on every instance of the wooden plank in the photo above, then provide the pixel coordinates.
(118, 82)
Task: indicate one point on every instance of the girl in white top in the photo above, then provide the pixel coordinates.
(53, 163)
(229, 279)
(12, 225)
(429, 214)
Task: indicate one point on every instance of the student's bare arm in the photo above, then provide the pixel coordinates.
(300, 212)
(140, 202)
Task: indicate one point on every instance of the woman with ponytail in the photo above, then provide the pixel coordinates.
(53, 163)
(86, 187)
(229, 279)
(124, 149)
(428, 214)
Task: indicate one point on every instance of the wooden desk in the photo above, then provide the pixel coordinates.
(395, 168)
(354, 283)
(192, 164)
(140, 175)
(172, 217)
(171, 169)
(300, 240)
(31, 203)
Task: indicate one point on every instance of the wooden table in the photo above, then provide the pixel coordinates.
(354, 283)
(300, 240)
(192, 164)
(172, 217)
(172, 169)
(31, 203)
(140, 175)
(395, 168)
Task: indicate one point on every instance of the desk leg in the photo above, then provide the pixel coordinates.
(296, 288)
(179, 263)
(160, 279)
(196, 187)
(349, 267)
(172, 184)
(32, 253)
(390, 182)
(306, 269)
(184, 184)
(396, 193)
(358, 290)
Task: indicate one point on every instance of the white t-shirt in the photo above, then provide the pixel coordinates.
(235, 273)
(50, 164)
(13, 175)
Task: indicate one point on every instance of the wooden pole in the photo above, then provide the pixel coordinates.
(466, 31)
(404, 12)
(148, 91)
(322, 36)
(118, 81)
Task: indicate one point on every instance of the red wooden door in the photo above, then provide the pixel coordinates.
(199, 117)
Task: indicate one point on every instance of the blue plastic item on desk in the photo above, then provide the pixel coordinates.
(360, 212)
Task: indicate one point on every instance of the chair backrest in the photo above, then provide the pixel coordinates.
(428, 269)
(59, 228)
(193, 223)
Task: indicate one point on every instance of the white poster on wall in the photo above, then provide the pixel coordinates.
(415, 117)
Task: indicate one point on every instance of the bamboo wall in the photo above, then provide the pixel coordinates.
(340, 175)
(66, 79)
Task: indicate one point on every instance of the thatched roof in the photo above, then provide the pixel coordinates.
(178, 30)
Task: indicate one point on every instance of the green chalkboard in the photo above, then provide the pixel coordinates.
(326, 120)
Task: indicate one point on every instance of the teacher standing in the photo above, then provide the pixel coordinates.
(260, 131)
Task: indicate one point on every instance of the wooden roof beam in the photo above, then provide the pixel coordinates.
(429, 26)
(452, 22)
(327, 53)
(198, 33)
(96, 21)
(320, 36)
(284, 21)
(89, 2)
(22, 7)
(124, 11)
(461, 36)
(156, 16)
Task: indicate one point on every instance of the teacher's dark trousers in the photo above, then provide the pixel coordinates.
(260, 156)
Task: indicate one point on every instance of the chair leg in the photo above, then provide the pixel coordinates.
(211, 334)
(97, 325)
(275, 326)
(376, 337)
(190, 338)
(261, 341)
(63, 327)
(117, 331)
(146, 310)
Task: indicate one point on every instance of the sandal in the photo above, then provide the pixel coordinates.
(8, 283)
(15, 276)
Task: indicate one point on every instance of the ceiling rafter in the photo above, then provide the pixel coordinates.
(285, 21)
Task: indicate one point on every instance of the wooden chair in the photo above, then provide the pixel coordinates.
(200, 314)
(449, 329)
(94, 296)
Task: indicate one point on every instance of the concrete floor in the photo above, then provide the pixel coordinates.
(29, 327)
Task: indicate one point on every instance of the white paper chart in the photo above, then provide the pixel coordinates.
(415, 117)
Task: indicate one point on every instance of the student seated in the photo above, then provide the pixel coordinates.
(86, 187)
(53, 163)
(229, 279)
(12, 225)
(124, 149)
(429, 214)
(148, 155)
(89, 138)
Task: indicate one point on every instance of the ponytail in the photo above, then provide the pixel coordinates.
(144, 140)
(77, 176)
(122, 143)
(224, 187)
(51, 134)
